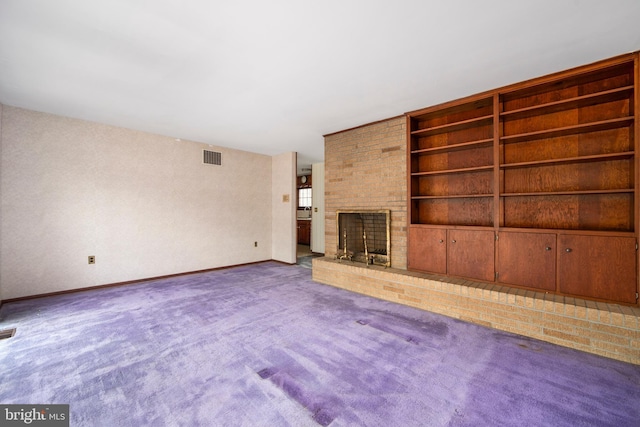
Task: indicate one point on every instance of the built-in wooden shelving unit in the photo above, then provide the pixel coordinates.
(534, 179)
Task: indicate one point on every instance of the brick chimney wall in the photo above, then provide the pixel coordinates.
(366, 169)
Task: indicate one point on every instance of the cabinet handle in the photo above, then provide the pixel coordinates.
(440, 241)
(568, 250)
(453, 241)
(548, 248)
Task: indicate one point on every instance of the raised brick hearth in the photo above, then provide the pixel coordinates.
(365, 169)
(609, 330)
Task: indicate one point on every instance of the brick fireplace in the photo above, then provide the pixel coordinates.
(365, 170)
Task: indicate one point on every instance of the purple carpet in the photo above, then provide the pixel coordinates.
(263, 345)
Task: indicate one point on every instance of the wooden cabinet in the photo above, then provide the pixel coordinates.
(598, 266)
(470, 254)
(429, 249)
(536, 166)
(527, 259)
(304, 232)
(456, 252)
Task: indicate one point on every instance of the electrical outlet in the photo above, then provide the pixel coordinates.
(255, 244)
(92, 259)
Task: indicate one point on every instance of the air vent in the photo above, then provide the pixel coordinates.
(212, 157)
(7, 333)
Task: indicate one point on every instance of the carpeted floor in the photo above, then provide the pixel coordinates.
(263, 345)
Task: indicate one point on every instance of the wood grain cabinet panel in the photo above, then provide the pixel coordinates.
(527, 259)
(470, 254)
(602, 267)
(428, 249)
(304, 232)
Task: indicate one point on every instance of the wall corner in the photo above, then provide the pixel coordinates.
(283, 207)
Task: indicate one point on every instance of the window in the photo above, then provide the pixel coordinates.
(304, 197)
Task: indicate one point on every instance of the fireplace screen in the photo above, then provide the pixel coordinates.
(363, 236)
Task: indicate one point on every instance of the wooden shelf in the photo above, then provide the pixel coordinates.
(571, 103)
(453, 171)
(458, 196)
(568, 160)
(553, 158)
(571, 80)
(455, 126)
(569, 192)
(455, 147)
(569, 130)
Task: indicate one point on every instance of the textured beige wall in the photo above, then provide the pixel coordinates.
(145, 205)
(284, 212)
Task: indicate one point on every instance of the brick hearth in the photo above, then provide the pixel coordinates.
(365, 168)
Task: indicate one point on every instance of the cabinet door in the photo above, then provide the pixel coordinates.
(598, 267)
(470, 253)
(527, 259)
(428, 249)
(304, 232)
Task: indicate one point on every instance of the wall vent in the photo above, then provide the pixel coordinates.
(212, 157)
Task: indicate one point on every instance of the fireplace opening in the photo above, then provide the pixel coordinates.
(363, 236)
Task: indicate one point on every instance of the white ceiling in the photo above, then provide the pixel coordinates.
(274, 76)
